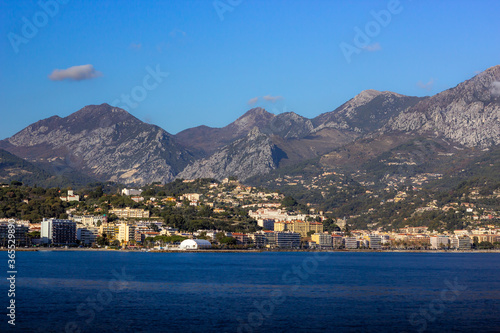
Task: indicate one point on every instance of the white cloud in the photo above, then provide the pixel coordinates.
(427, 86)
(495, 89)
(373, 47)
(75, 73)
(252, 101)
(272, 99)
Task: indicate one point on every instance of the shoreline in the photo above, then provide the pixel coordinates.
(252, 251)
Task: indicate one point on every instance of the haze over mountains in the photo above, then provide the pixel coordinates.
(106, 143)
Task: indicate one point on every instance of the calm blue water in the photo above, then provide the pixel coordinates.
(265, 292)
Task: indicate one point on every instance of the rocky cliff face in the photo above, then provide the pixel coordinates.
(107, 143)
(468, 114)
(252, 155)
(288, 125)
(207, 140)
(104, 142)
(366, 112)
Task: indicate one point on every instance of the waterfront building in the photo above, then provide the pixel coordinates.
(195, 244)
(323, 241)
(438, 242)
(336, 241)
(126, 233)
(301, 227)
(461, 243)
(87, 235)
(487, 238)
(20, 234)
(259, 238)
(270, 238)
(58, 231)
(144, 235)
(241, 238)
(287, 239)
(109, 229)
(350, 242)
(375, 242)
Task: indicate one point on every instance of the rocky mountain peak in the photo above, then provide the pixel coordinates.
(367, 111)
(103, 142)
(102, 115)
(365, 96)
(467, 114)
(254, 117)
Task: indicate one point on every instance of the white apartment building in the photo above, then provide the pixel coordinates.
(437, 242)
(350, 242)
(375, 242)
(461, 243)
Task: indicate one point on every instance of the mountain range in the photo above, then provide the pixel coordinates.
(105, 143)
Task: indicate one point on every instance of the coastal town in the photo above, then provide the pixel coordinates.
(234, 216)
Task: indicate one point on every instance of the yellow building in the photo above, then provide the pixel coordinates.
(110, 229)
(128, 212)
(300, 227)
(126, 233)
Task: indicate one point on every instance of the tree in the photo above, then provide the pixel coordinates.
(33, 234)
(102, 240)
(112, 217)
(289, 202)
(485, 245)
(228, 241)
(219, 236)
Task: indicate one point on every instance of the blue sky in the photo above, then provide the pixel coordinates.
(225, 57)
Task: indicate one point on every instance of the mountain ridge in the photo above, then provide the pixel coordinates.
(110, 144)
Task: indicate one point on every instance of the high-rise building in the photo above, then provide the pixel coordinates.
(58, 232)
(350, 242)
(87, 235)
(461, 243)
(126, 233)
(375, 242)
(109, 229)
(323, 241)
(20, 234)
(287, 239)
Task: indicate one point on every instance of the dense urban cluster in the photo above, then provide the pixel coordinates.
(200, 214)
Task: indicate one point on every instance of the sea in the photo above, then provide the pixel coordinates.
(117, 291)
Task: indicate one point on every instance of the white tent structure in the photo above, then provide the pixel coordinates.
(195, 244)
